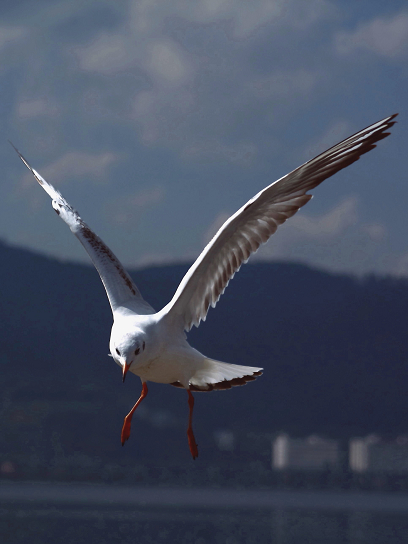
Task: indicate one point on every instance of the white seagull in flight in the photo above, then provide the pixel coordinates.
(152, 344)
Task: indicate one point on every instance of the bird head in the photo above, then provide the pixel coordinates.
(127, 351)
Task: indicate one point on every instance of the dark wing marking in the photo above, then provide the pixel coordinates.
(224, 384)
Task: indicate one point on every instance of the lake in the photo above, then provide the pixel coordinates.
(76, 513)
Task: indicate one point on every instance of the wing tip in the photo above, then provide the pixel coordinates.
(40, 180)
(20, 155)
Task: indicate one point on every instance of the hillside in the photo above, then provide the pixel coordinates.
(333, 347)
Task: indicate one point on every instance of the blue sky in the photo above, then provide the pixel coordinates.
(157, 120)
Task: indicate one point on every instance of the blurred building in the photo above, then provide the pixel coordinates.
(371, 454)
(225, 440)
(311, 453)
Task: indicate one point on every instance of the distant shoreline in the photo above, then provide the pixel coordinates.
(73, 494)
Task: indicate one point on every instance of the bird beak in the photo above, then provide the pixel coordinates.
(125, 369)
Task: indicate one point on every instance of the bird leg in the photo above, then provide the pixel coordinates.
(190, 435)
(128, 418)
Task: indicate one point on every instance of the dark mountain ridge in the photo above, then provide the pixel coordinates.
(333, 347)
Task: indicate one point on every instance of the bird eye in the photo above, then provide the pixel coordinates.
(118, 352)
(137, 350)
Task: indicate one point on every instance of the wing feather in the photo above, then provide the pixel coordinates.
(254, 223)
(118, 284)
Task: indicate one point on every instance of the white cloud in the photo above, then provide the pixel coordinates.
(242, 152)
(11, 34)
(75, 164)
(107, 54)
(375, 231)
(244, 17)
(168, 63)
(187, 91)
(337, 240)
(147, 19)
(190, 119)
(161, 61)
(250, 16)
(163, 114)
(164, 77)
(28, 109)
(326, 226)
(385, 36)
(283, 84)
(128, 209)
(300, 228)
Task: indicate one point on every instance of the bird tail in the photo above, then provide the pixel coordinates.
(214, 375)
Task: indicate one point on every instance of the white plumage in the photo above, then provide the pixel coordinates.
(153, 344)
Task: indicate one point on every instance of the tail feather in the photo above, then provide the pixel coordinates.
(214, 375)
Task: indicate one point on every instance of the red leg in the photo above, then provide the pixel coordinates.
(190, 435)
(128, 418)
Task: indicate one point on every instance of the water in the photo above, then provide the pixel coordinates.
(49, 513)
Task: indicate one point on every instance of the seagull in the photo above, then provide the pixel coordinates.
(153, 345)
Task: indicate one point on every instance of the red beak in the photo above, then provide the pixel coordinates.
(125, 369)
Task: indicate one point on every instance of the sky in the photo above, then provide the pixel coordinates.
(157, 120)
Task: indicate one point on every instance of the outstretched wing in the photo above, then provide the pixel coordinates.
(252, 225)
(119, 286)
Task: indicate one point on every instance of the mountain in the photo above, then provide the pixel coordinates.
(334, 350)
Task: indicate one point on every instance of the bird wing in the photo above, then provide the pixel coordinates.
(253, 224)
(119, 286)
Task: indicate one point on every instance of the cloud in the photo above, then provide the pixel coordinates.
(283, 83)
(241, 153)
(324, 227)
(28, 109)
(156, 59)
(168, 63)
(244, 18)
(300, 227)
(107, 54)
(185, 87)
(128, 209)
(75, 164)
(336, 240)
(384, 36)
(376, 231)
(11, 34)
(188, 86)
